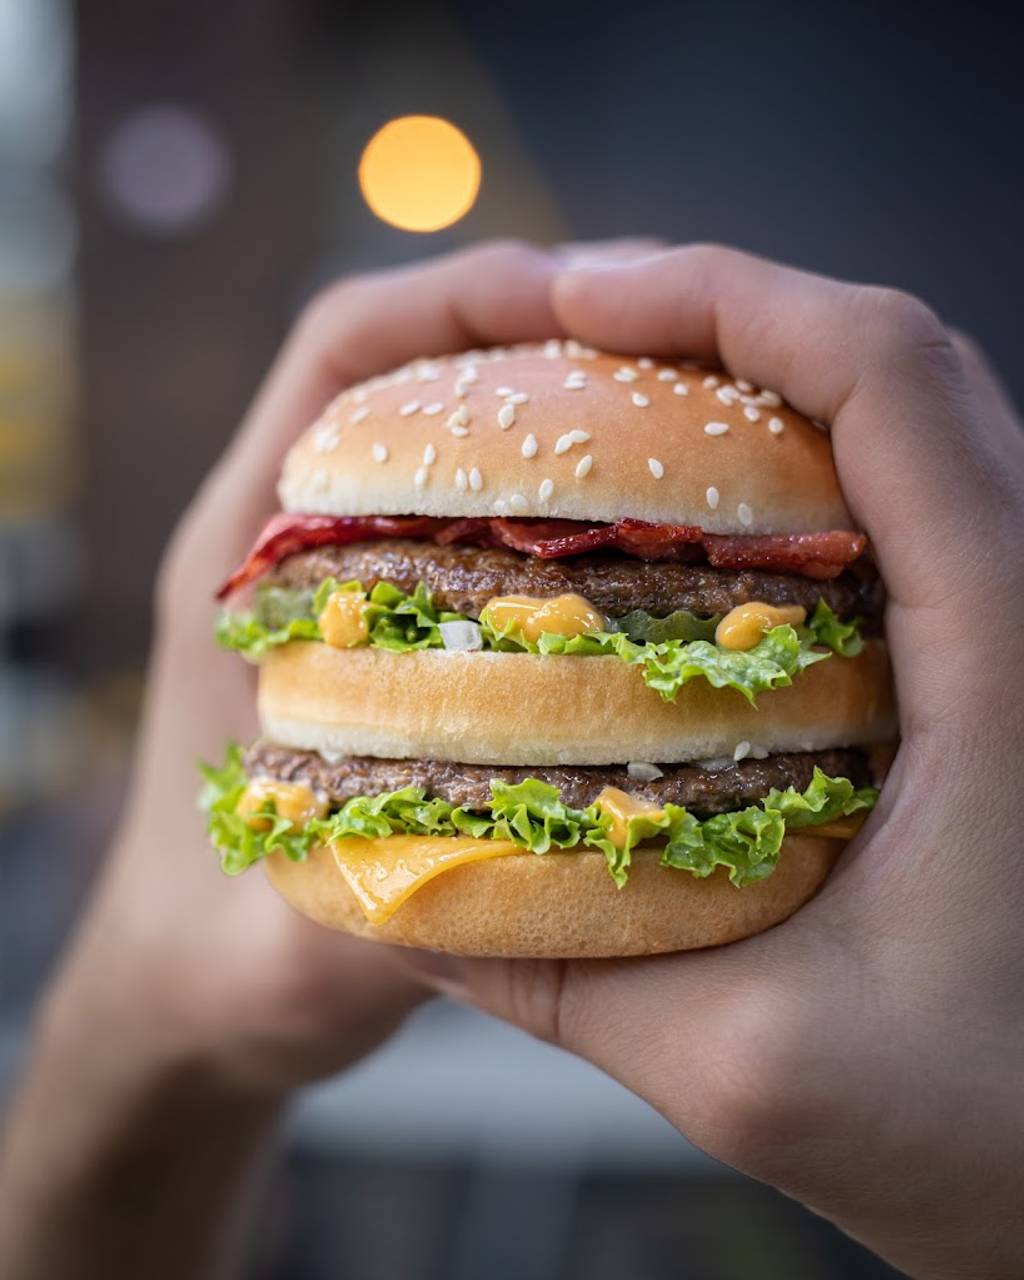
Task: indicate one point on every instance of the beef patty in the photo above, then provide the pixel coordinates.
(702, 790)
(463, 579)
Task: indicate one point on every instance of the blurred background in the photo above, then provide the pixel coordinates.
(175, 179)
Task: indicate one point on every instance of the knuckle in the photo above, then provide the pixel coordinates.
(706, 257)
(504, 254)
(904, 325)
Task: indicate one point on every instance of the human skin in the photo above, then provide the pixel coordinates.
(866, 1057)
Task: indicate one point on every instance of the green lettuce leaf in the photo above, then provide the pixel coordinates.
(239, 844)
(645, 628)
(843, 638)
(670, 651)
(532, 815)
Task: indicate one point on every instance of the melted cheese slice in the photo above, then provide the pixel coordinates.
(384, 873)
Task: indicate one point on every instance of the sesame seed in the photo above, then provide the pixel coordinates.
(715, 428)
(645, 362)
(476, 480)
(529, 449)
(576, 381)
(379, 452)
(545, 490)
(460, 417)
(572, 348)
(657, 467)
(429, 456)
(504, 391)
(640, 400)
(751, 414)
(428, 373)
(742, 751)
(726, 395)
(745, 514)
(681, 389)
(712, 497)
(579, 437)
(518, 503)
(776, 426)
(552, 349)
(743, 384)
(412, 406)
(584, 465)
(431, 409)
(517, 397)
(325, 437)
(751, 400)
(359, 394)
(500, 506)
(460, 480)
(710, 381)
(420, 478)
(563, 444)
(462, 388)
(506, 416)
(360, 413)
(625, 374)
(667, 375)
(469, 374)
(771, 397)
(460, 431)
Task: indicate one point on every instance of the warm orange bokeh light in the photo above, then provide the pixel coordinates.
(419, 173)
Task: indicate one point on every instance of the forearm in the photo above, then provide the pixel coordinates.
(120, 1158)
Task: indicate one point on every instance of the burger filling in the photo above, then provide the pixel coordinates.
(731, 814)
(745, 629)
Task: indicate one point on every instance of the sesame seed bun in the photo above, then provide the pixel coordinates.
(561, 430)
(527, 709)
(565, 904)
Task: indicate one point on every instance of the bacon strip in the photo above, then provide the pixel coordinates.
(814, 555)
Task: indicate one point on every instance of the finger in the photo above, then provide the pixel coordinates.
(987, 384)
(589, 253)
(673, 1029)
(492, 294)
(922, 469)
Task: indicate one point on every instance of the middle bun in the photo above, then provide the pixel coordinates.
(527, 709)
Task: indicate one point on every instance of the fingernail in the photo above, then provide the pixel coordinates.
(590, 262)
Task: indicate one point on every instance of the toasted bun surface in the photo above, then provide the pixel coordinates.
(565, 905)
(641, 449)
(521, 708)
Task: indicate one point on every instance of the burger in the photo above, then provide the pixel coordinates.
(561, 653)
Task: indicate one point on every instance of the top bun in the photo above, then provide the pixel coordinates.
(562, 430)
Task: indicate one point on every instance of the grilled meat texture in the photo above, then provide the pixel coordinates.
(702, 790)
(463, 579)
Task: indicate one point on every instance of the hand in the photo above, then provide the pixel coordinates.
(865, 1057)
(189, 1004)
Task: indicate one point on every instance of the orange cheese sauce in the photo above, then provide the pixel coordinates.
(293, 801)
(620, 807)
(342, 621)
(743, 627)
(532, 616)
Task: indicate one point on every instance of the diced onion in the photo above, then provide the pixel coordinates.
(640, 771)
(461, 635)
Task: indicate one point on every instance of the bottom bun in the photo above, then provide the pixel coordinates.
(565, 905)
